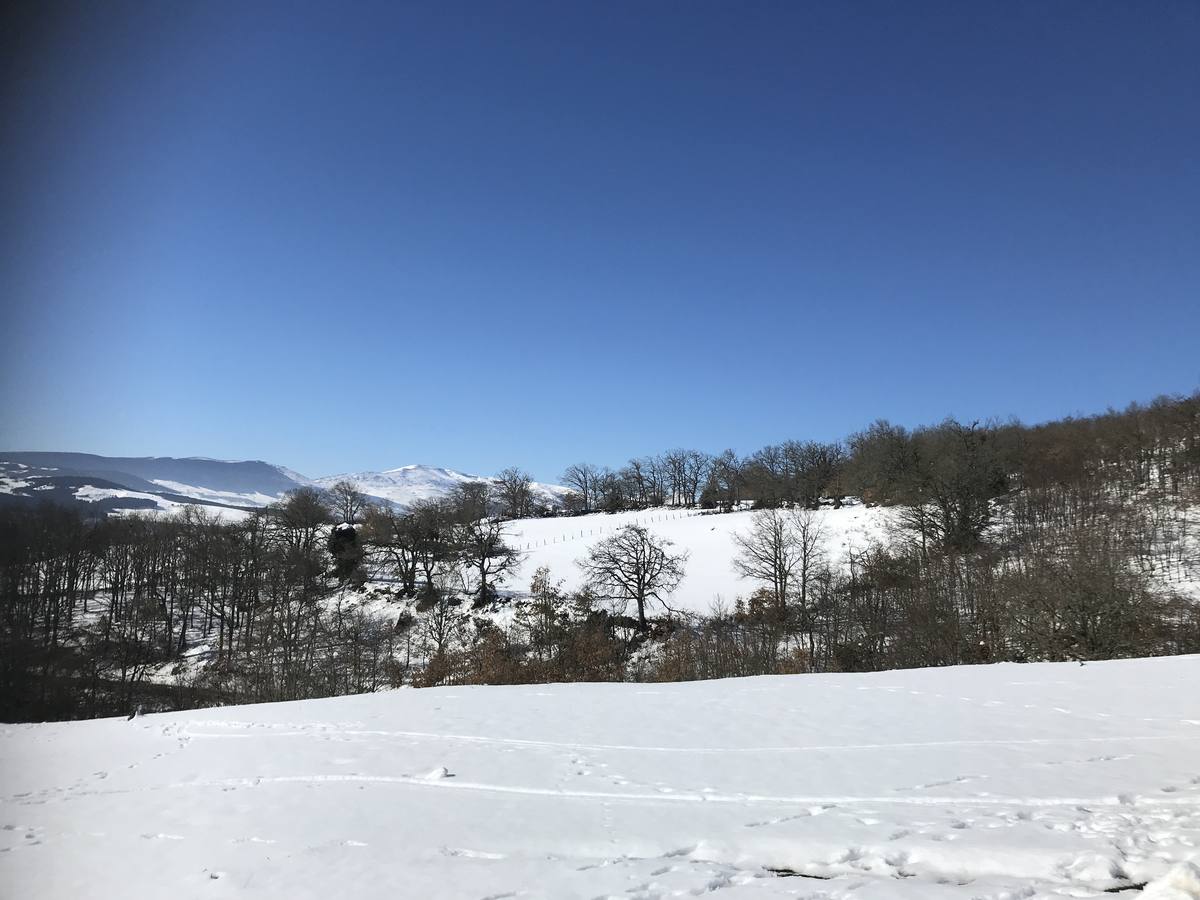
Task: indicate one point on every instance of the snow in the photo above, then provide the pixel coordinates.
(1003, 781)
(294, 475)
(244, 498)
(406, 485)
(402, 486)
(97, 478)
(163, 506)
(11, 485)
(91, 493)
(1181, 883)
(708, 539)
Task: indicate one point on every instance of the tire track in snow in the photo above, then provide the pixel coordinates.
(1122, 801)
(809, 748)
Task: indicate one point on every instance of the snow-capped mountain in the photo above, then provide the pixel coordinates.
(108, 484)
(408, 484)
(405, 485)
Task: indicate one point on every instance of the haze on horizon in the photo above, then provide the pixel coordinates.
(482, 235)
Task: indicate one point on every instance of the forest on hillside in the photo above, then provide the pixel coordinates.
(1075, 539)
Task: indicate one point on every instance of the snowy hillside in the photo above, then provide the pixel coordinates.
(127, 484)
(409, 484)
(108, 484)
(404, 485)
(1003, 781)
(708, 539)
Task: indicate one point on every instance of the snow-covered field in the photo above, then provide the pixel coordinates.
(710, 576)
(1003, 781)
(163, 505)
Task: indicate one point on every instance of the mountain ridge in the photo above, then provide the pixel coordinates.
(163, 482)
(405, 485)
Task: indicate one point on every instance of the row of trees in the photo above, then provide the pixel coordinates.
(957, 468)
(781, 474)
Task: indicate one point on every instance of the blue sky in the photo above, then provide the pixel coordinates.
(354, 236)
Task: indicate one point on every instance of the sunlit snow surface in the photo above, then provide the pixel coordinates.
(710, 576)
(410, 484)
(1003, 781)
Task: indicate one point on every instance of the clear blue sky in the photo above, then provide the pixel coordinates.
(354, 236)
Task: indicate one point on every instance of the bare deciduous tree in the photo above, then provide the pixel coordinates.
(727, 478)
(394, 535)
(346, 501)
(812, 567)
(768, 553)
(471, 500)
(582, 477)
(696, 465)
(301, 516)
(634, 565)
(487, 555)
(514, 490)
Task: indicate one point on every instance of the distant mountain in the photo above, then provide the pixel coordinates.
(404, 486)
(255, 482)
(108, 484)
(128, 483)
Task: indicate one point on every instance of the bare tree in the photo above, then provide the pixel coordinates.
(808, 534)
(471, 500)
(433, 541)
(675, 472)
(765, 474)
(395, 535)
(301, 515)
(696, 466)
(634, 565)
(611, 491)
(785, 551)
(635, 476)
(726, 475)
(514, 490)
(487, 555)
(346, 501)
(582, 477)
(443, 624)
(768, 553)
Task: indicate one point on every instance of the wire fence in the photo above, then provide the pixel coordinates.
(599, 530)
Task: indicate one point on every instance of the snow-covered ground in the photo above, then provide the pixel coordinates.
(410, 484)
(1002, 781)
(708, 539)
(236, 498)
(162, 506)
